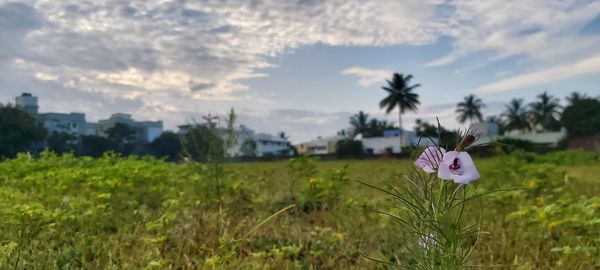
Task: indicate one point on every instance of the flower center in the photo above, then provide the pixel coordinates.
(454, 166)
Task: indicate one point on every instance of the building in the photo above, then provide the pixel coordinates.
(75, 124)
(28, 103)
(319, 146)
(390, 142)
(249, 143)
(489, 132)
(145, 131)
(72, 123)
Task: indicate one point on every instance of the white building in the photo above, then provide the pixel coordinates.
(390, 142)
(75, 123)
(72, 123)
(145, 131)
(262, 144)
(489, 132)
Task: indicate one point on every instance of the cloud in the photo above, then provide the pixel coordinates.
(504, 29)
(367, 77)
(581, 67)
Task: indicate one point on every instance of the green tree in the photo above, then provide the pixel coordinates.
(575, 97)
(376, 128)
(123, 137)
(515, 115)
(400, 94)
(19, 132)
(248, 148)
(61, 142)
(359, 123)
(582, 117)
(203, 144)
(168, 145)
(349, 149)
(470, 109)
(545, 111)
(95, 146)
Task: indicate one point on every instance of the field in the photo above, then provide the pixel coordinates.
(65, 212)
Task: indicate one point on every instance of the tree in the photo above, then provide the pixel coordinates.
(168, 145)
(248, 148)
(400, 94)
(359, 123)
(376, 128)
(123, 137)
(582, 117)
(426, 130)
(203, 144)
(349, 149)
(470, 109)
(95, 146)
(575, 97)
(545, 112)
(61, 142)
(515, 115)
(19, 132)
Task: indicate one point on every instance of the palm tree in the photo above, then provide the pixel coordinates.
(359, 123)
(470, 109)
(400, 94)
(516, 115)
(575, 97)
(545, 110)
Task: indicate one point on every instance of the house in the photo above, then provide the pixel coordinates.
(489, 132)
(389, 143)
(249, 143)
(319, 146)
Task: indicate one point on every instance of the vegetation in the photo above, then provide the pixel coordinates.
(470, 109)
(545, 112)
(400, 94)
(582, 116)
(19, 132)
(129, 213)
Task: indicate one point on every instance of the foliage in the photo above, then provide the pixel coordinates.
(545, 111)
(507, 145)
(61, 142)
(582, 117)
(19, 132)
(203, 144)
(95, 146)
(64, 212)
(248, 148)
(168, 145)
(349, 149)
(400, 94)
(470, 109)
(516, 115)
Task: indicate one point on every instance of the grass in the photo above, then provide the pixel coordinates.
(63, 212)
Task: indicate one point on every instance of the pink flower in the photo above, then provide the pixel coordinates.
(430, 159)
(458, 167)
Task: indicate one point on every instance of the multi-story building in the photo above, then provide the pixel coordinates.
(75, 124)
(145, 131)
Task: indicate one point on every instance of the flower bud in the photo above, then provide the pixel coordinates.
(466, 142)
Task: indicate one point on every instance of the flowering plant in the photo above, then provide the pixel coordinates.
(432, 202)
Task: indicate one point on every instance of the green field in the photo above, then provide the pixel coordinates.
(64, 212)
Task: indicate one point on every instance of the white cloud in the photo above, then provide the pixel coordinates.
(582, 67)
(366, 76)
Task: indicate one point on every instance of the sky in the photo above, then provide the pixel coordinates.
(303, 67)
